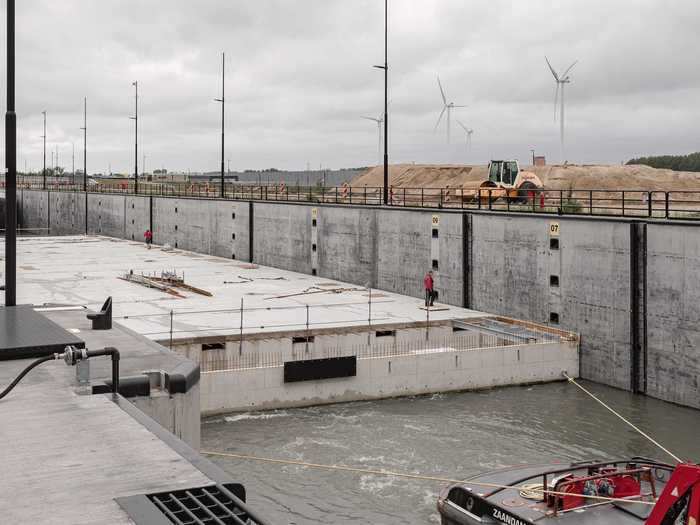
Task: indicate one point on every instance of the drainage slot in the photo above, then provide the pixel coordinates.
(553, 244)
(385, 333)
(435, 264)
(436, 234)
(554, 317)
(213, 346)
(302, 339)
(553, 280)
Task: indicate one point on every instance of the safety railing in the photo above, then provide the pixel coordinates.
(455, 343)
(656, 204)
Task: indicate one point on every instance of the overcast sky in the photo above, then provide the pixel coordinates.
(299, 77)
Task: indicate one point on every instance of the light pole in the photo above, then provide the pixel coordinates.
(533, 157)
(73, 171)
(385, 67)
(222, 99)
(44, 137)
(135, 118)
(84, 128)
(11, 165)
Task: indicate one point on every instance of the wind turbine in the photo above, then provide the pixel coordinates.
(469, 132)
(446, 107)
(561, 81)
(379, 120)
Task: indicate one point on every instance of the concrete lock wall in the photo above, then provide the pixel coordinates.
(627, 287)
(670, 364)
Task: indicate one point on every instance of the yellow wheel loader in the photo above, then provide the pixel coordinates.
(507, 181)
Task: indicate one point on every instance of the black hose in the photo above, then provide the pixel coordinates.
(25, 372)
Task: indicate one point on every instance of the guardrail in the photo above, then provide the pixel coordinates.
(599, 202)
(456, 343)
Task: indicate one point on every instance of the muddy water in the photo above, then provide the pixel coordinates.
(447, 435)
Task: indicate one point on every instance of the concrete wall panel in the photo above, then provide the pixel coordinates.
(137, 217)
(66, 213)
(347, 244)
(512, 265)
(673, 313)
(106, 215)
(403, 251)
(282, 236)
(33, 210)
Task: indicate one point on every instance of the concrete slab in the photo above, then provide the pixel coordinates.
(84, 270)
(68, 456)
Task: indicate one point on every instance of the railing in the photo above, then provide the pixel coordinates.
(659, 204)
(459, 343)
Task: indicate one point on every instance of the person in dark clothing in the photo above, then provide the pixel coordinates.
(428, 284)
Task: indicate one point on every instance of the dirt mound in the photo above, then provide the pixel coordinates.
(579, 177)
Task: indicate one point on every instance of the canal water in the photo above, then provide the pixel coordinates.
(447, 435)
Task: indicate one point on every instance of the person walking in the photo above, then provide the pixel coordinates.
(428, 284)
(148, 236)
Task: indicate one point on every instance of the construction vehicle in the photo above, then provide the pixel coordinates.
(507, 180)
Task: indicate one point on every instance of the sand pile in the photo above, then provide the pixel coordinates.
(578, 177)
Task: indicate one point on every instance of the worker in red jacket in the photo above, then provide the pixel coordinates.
(428, 284)
(148, 237)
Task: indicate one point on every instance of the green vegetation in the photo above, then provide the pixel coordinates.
(689, 162)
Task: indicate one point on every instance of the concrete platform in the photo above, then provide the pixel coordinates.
(84, 270)
(66, 457)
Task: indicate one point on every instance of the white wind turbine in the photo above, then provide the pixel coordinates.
(379, 120)
(469, 132)
(561, 81)
(446, 107)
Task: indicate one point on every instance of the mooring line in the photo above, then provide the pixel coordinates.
(571, 380)
(422, 477)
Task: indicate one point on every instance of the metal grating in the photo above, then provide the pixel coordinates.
(222, 504)
(214, 504)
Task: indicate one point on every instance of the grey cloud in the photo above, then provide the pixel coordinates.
(299, 77)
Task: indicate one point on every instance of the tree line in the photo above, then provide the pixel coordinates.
(689, 162)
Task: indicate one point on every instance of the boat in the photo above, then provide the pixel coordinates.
(631, 491)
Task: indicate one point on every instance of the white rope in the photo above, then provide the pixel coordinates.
(571, 380)
(533, 487)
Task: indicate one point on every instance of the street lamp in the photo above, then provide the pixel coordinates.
(44, 137)
(11, 165)
(222, 99)
(84, 128)
(533, 157)
(385, 67)
(135, 118)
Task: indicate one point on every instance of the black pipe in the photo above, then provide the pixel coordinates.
(26, 371)
(11, 165)
(114, 354)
